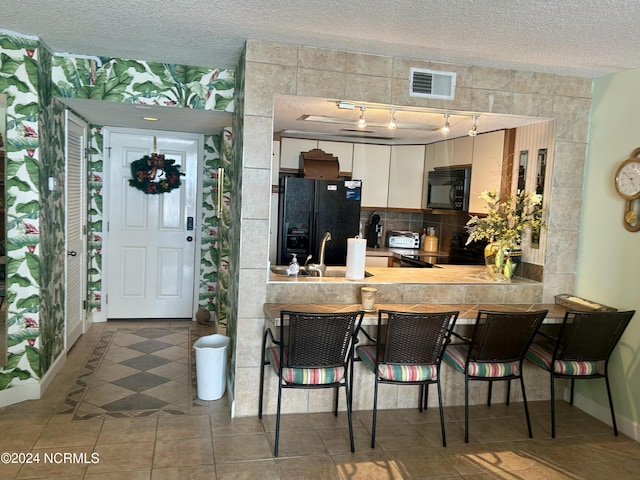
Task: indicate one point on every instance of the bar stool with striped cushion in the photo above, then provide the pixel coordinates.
(408, 351)
(581, 351)
(313, 350)
(495, 352)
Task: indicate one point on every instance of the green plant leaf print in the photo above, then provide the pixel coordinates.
(33, 355)
(29, 207)
(29, 302)
(9, 65)
(22, 335)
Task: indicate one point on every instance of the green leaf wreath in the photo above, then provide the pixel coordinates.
(144, 173)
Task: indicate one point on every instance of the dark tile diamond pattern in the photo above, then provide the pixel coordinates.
(150, 346)
(152, 333)
(145, 362)
(140, 381)
(139, 401)
(143, 399)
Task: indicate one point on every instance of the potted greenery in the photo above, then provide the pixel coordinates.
(506, 219)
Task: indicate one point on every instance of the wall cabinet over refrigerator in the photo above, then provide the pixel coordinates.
(290, 149)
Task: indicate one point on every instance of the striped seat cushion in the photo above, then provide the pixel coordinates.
(542, 353)
(304, 376)
(396, 373)
(456, 356)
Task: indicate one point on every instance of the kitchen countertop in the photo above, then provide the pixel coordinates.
(443, 274)
(468, 311)
(397, 252)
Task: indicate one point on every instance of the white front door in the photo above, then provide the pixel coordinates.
(151, 241)
(75, 197)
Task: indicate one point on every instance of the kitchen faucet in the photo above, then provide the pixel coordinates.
(320, 268)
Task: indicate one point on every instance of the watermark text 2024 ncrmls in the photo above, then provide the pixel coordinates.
(49, 457)
(71, 457)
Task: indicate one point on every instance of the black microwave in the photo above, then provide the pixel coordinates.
(449, 189)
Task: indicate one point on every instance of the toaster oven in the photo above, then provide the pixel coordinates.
(403, 239)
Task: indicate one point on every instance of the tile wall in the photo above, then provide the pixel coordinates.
(272, 68)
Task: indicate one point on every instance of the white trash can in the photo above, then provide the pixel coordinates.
(211, 366)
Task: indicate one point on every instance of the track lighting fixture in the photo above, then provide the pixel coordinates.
(361, 121)
(392, 123)
(410, 118)
(474, 130)
(445, 128)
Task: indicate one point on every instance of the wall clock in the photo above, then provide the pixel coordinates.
(627, 182)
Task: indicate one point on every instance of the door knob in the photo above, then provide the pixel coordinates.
(189, 238)
(72, 253)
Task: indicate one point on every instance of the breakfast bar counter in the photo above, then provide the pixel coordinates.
(391, 396)
(468, 312)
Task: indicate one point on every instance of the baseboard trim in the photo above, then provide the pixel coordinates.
(602, 413)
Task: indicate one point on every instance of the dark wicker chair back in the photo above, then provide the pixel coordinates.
(416, 338)
(408, 350)
(318, 340)
(495, 352)
(581, 351)
(313, 350)
(590, 336)
(503, 336)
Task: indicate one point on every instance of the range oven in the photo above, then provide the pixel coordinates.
(449, 189)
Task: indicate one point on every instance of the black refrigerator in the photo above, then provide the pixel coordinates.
(308, 209)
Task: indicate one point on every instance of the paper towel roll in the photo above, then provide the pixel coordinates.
(356, 252)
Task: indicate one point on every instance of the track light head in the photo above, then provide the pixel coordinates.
(392, 122)
(474, 129)
(445, 129)
(361, 121)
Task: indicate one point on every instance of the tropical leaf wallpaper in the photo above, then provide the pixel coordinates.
(19, 80)
(145, 83)
(31, 78)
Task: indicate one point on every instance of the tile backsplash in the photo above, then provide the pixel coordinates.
(445, 225)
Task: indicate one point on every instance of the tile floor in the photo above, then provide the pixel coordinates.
(182, 437)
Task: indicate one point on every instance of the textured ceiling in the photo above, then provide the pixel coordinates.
(573, 37)
(568, 37)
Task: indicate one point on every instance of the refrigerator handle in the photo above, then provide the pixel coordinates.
(220, 192)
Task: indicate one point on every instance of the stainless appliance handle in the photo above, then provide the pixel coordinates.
(220, 191)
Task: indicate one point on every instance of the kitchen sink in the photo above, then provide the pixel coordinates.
(331, 272)
(284, 270)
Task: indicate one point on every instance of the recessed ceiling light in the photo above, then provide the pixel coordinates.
(150, 119)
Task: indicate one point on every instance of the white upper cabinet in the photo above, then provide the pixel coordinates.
(443, 154)
(486, 169)
(371, 165)
(463, 150)
(342, 150)
(406, 176)
(290, 149)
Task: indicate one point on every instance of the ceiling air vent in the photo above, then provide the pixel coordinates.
(432, 84)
